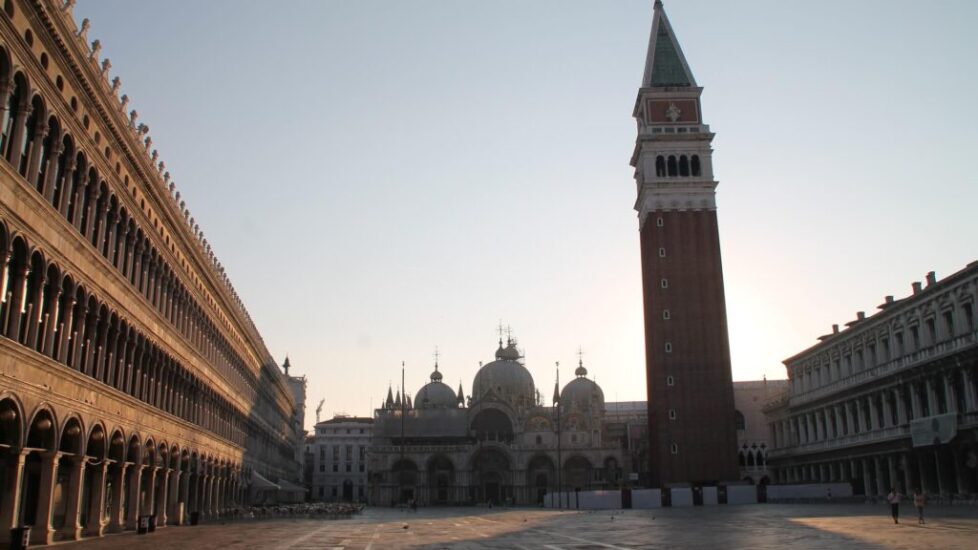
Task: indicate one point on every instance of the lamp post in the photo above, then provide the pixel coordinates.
(556, 401)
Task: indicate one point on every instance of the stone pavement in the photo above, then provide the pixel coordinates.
(793, 527)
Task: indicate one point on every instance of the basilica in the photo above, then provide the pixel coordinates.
(501, 444)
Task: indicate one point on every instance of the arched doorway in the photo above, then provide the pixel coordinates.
(10, 442)
(540, 476)
(578, 473)
(405, 478)
(347, 490)
(95, 460)
(70, 448)
(493, 475)
(441, 476)
(41, 440)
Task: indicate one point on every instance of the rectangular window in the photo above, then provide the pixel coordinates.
(899, 345)
(349, 453)
(931, 331)
(672, 414)
(362, 467)
(666, 315)
(949, 323)
(322, 467)
(674, 449)
(662, 252)
(336, 453)
(336, 467)
(363, 453)
(334, 491)
(670, 381)
(349, 467)
(915, 335)
(664, 283)
(969, 316)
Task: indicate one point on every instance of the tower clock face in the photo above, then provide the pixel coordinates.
(672, 111)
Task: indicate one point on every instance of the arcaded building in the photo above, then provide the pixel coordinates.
(132, 380)
(499, 444)
(689, 382)
(888, 401)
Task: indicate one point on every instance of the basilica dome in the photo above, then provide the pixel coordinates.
(506, 377)
(435, 394)
(582, 394)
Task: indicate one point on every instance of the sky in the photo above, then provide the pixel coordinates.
(381, 178)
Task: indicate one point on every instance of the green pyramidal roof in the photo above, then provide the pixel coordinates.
(665, 65)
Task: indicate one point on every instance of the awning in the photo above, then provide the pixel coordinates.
(290, 487)
(259, 482)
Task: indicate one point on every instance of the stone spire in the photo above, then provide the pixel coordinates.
(286, 365)
(665, 64)
(389, 402)
(461, 395)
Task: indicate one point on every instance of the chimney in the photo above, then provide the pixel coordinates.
(916, 287)
(889, 299)
(835, 329)
(931, 278)
(860, 315)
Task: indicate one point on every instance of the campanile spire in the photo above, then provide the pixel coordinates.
(689, 383)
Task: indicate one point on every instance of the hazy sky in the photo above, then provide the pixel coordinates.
(380, 178)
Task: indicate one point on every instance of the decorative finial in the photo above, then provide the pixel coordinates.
(96, 48)
(106, 67)
(68, 6)
(123, 103)
(116, 84)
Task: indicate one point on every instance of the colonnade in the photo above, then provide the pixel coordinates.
(69, 481)
(948, 391)
(940, 470)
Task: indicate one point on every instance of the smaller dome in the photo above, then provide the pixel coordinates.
(509, 353)
(582, 393)
(435, 395)
(436, 376)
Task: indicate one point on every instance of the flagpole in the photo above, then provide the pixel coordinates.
(560, 484)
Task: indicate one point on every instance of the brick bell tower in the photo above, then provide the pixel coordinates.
(692, 432)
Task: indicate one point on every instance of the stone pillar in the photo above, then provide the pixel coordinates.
(96, 503)
(117, 520)
(881, 488)
(887, 410)
(819, 426)
(149, 503)
(861, 416)
(908, 485)
(850, 418)
(931, 397)
(970, 399)
(867, 482)
(41, 532)
(949, 397)
(874, 420)
(915, 406)
(939, 471)
(174, 495)
(133, 504)
(838, 420)
(10, 507)
(161, 497)
(72, 528)
(891, 464)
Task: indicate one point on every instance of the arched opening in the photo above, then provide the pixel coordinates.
(694, 165)
(347, 490)
(493, 476)
(15, 108)
(65, 480)
(673, 168)
(739, 420)
(41, 439)
(684, 165)
(660, 166)
(441, 480)
(405, 477)
(492, 425)
(10, 439)
(579, 473)
(540, 476)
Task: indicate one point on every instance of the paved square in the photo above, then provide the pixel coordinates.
(782, 527)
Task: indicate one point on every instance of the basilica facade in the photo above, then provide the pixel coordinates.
(501, 444)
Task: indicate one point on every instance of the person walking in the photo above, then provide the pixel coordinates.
(894, 499)
(919, 500)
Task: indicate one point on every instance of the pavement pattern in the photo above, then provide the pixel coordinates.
(766, 526)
